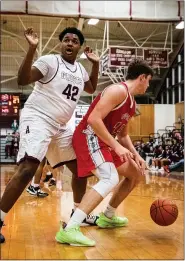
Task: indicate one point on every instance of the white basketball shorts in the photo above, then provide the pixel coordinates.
(41, 136)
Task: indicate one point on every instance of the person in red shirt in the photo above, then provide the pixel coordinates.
(104, 148)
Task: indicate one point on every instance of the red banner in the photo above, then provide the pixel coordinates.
(156, 58)
(121, 57)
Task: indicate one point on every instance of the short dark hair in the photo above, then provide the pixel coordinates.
(72, 30)
(138, 67)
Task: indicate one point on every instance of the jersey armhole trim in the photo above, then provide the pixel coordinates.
(81, 70)
(54, 74)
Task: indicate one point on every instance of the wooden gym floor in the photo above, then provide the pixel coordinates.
(32, 223)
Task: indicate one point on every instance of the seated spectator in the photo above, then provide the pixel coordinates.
(15, 144)
(8, 146)
(175, 166)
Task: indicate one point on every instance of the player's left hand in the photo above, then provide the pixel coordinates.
(141, 163)
(92, 57)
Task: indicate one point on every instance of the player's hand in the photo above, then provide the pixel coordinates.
(141, 163)
(31, 37)
(123, 153)
(92, 57)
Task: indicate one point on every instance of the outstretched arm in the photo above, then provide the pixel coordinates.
(28, 74)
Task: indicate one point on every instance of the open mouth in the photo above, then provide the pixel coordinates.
(69, 51)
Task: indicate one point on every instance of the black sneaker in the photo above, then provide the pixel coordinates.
(2, 238)
(31, 190)
(36, 191)
(90, 220)
(48, 177)
(41, 193)
(52, 182)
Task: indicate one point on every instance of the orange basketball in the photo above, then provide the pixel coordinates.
(164, 212)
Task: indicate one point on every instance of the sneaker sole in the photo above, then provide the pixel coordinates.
(106, 225)
(111, 226)
(42, 196)
(71, 244)
(31, 193)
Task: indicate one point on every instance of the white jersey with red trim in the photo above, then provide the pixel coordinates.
(57, 93)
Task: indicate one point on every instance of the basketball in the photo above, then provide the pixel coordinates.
(164, 212)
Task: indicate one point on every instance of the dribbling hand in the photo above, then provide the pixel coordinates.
(123, 153)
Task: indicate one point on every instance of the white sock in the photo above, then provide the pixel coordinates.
(76, 205)
(2, 215)
(110, 211)
(36, 185)
(32, 182)
(48, 173)
(53, 179)
(77, 218)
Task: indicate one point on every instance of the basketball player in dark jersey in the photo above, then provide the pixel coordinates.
(99, 152)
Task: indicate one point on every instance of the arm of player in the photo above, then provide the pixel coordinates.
(126, 142)
(28, 74)
(90, 86)
(111, 98)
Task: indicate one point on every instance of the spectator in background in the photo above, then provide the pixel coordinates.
(175, 167)
(14, 126)
(15, 144)
(8, 146)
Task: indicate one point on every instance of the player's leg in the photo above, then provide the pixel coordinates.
(52, 173)
(33, 146)
(15, 187)
(132, 175)
(108, 179)
(48, 171)
(34, 188)
(79, 188)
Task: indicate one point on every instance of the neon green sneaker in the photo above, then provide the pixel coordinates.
(74, 237)
(105, 222)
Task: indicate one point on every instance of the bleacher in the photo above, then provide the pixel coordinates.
(3, 160)
(166, 135)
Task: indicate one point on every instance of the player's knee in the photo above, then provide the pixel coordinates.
(108, 179)
(27, 171)
(136, 176)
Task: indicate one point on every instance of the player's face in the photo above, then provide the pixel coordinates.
(144, 83)
(70, 47)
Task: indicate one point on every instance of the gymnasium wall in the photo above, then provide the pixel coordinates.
(143, 124)
(164, 116)
(179, 112)
(152, 118)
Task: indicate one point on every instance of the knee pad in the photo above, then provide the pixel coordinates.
(108, 178)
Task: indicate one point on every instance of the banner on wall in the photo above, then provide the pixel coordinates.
(156, 58)
(80, 111)
(121, 57)
(170, 10)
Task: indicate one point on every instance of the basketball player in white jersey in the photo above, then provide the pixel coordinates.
(44, 129)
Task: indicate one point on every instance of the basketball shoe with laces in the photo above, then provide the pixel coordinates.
(90, 220)
(74, 237)
(36, 191)
(105, 222)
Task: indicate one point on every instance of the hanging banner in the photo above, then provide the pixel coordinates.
(156, 58)
(121, 57)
